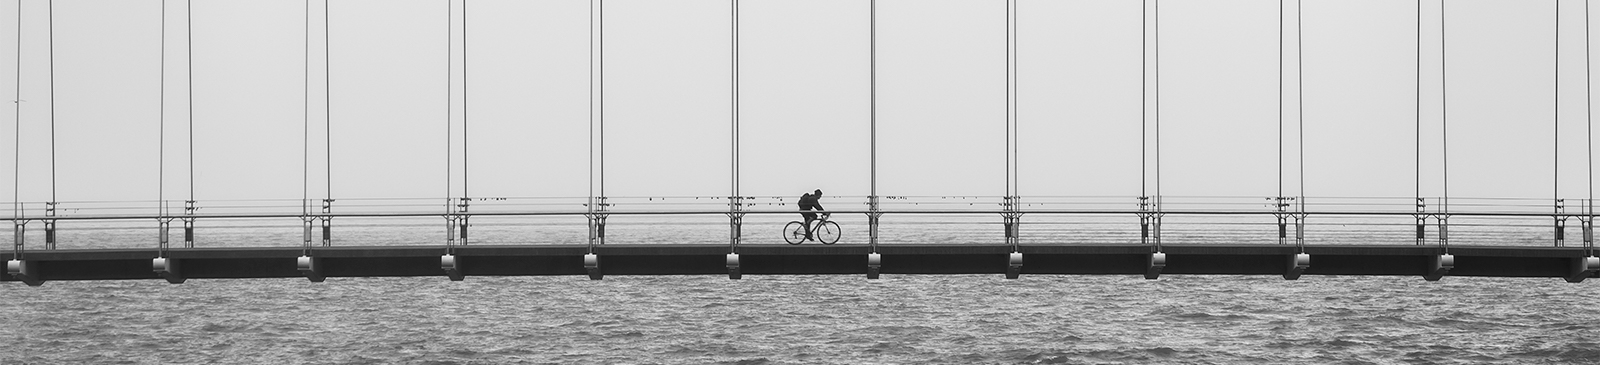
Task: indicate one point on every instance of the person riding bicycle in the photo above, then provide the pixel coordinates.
(809, 202)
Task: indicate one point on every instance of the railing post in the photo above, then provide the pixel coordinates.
(165, 223)
(597, 222)
(20, 237)
(1280, 207)
(1587, 220)
(50, 225)
(1300, 230)
(1012, 216)
(873, 214)
(1012, 219)
(1560, 233)
(1444, 231)
(735, 223)
(453, 217)
(874, 259)
(308, 221)
(450, 218)
(327, 222)
(597, 236)
(735, 235)
(462, 206)
(188, 223)
(1422, 220)
(1144, 220)
(310, 266)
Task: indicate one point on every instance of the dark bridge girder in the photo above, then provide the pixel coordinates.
(683, 259)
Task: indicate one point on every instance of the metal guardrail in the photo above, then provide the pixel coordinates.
(905, 219)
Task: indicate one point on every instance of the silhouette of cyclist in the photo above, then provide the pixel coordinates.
(809, 202)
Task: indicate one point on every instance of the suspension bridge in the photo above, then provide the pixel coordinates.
(596, 235)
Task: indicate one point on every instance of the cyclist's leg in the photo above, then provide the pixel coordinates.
(809, 218)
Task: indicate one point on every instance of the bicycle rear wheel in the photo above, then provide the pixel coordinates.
(829, 233)
(794, 232)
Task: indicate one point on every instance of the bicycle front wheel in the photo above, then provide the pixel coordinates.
(794, 232)
(829, 233)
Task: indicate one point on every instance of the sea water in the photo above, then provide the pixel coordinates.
(955, 319)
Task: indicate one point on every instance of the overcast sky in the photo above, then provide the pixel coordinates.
(805, 100)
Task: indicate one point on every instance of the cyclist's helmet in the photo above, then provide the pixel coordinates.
(818, 193)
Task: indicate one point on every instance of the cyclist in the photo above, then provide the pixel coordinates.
(809, 202)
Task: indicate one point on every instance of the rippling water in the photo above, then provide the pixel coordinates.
(958, 319)
(804, 319)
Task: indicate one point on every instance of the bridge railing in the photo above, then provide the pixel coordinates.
(906, 219)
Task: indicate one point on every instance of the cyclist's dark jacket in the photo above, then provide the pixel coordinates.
(809, 202)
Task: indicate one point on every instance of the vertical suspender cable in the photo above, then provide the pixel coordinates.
(1300, 94)
(1555, 114)
(16, 166)
(188, 205)
(465, 137)
(1279, 201)
(1144, 106)
(1008, 100)
(1418, 109)
(327, 61)
(161, 147)
(305, 120)
(592, 105)
(1016, 144)
(1158, 106)
(50, 225)
(602, 85)
(449, 93)
(305, 135)
(327, 125)
(872, 198)
(1588, 93)
(52, 35)
(872, 45)
(451, 204)
(1444, 107)
(188, 13)
(734, 86)
(735, 202)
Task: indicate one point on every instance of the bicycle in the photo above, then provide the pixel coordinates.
(823, 230)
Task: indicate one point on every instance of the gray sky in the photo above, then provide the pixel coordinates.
(804, 80)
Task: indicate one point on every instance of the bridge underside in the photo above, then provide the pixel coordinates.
(676, 259)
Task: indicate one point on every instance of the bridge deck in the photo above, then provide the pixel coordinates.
(683, 259)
